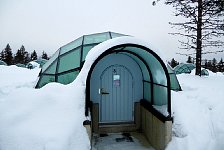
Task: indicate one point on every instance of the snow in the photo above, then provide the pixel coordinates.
(162, 109)
(198, 113)
(51, 118)
(120, 141)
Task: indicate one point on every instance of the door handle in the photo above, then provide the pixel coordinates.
(102, 92)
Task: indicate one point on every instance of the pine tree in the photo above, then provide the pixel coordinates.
(173, 63)
(18, 57)
(7, 55)
(22, 56)
(209, 65)
(27, 58)
(189, 59)
(2, 55)
(206, 64)
(221, 66)
(33, 55)
(44, 55)
(214, 65)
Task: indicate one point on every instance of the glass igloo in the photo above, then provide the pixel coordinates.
(184, 68)
(3, 63)
(67, 61)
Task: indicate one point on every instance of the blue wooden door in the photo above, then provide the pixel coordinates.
(116, 104)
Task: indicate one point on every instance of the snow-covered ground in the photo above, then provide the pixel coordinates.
(198, 113)
(51, 118)
(39, 119)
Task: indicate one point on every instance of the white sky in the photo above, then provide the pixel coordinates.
(49, 24)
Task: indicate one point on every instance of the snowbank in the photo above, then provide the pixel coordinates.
(198, 113)
(49, 118)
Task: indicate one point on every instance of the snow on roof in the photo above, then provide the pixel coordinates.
(96, 51)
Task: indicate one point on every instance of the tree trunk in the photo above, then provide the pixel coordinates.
(199, 40)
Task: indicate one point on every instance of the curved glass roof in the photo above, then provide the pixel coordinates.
(204, 72)
(41, 61)
(21, 65)
(2, 63)
(66, 63)
(184, 68)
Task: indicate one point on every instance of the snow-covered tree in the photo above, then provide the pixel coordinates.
(33, 55)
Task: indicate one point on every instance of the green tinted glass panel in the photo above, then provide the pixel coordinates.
(156, 68)
(49, 62)
(68, 77)
(85, 51)
(114, 35)
(160, 95)
(69, 61)
(144, 69)
(169, 68)
(3, 63)
(204, 72)
(71, 46)
(184, 68)
(174, 83)
(45, 79)
(147, 91)
(41, 61)
(52, 68)
(173, 79)
(96, 38)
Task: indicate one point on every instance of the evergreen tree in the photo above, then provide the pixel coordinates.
(206, 64)
(27, 58)
(221, 66)
(7, 55)
(189, 60)
(2, 55)
(44, 55)
(173, 63)
(214, 65)
(209, 65)
(33, 55)
(22, 56)
(18, 57)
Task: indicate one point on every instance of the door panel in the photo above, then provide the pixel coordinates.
(116, 91)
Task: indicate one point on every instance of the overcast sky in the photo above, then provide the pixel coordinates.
(49, 24)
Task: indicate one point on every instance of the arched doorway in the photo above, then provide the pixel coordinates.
(149, 103)
(115, 86)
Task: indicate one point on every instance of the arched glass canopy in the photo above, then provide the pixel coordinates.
(156, 79)
(184, 68)
(40, 61)
(204, 72)
(67, 61)
(3, 63)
